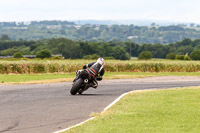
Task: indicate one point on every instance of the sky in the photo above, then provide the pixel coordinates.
(158, 10)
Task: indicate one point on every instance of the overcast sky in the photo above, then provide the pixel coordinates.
(169, 10)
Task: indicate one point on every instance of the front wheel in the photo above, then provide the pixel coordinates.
(76, 86)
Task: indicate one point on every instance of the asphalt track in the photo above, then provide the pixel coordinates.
(45, 108)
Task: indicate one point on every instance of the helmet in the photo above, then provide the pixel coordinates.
(100, 61)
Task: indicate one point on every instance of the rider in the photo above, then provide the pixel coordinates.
(96, 70)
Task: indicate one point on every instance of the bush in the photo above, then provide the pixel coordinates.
(180, 57)
(43, 54)
(109, 58)
(195, 55)
(145, 55)
(18, 55)
(39, 68)
(187, 57)
(57, 58)
(91, 57)
(171, 56)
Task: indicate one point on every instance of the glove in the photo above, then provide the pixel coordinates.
(85, 66)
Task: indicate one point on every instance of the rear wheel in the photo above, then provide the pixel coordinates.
(80, 92)
(76, 86)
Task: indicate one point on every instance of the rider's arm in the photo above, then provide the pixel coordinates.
(100, 77)
(102, 72)
(88, 65)
(85, 66)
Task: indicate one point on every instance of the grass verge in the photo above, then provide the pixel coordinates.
(60, 77)
(155, 111)
(34, 78)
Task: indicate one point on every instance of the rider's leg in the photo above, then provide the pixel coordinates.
(95, 83)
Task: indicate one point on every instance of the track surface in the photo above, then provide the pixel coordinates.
(45, 108)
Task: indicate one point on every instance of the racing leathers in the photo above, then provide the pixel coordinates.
(96, 71)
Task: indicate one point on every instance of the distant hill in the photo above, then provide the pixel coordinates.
(95, 22)
(94, 30)
(129, 22)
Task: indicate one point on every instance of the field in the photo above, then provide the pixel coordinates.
(68, 66)
(45, 71)
(155, 111)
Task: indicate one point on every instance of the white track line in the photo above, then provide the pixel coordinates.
(74, 125)
(106, 108)
(114, 102)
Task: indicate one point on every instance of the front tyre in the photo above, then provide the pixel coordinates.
(76, 86)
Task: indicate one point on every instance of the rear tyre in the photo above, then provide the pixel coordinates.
(76, 86)
(80, 92)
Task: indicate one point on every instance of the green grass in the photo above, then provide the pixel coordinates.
(58, 77)
(115, 75)
(23, 78)
(158, 111)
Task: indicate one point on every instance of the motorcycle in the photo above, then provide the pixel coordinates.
(81, 82)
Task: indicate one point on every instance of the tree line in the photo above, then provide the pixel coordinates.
(83, 49)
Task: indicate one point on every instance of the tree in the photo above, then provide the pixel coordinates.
(18, 55)
(196, 42)
(159, 51)
(187, 57)
(66, 47)
(43, 54)
(171, 56)
(180, 57)
(120, 53)
(5, 37)
(62, 32)
(192, 25)
(153, 24)
(185, 49)
(195, 55)
(145, 55)
(186, 42)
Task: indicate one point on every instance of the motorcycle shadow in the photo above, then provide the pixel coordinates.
(92, 94)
